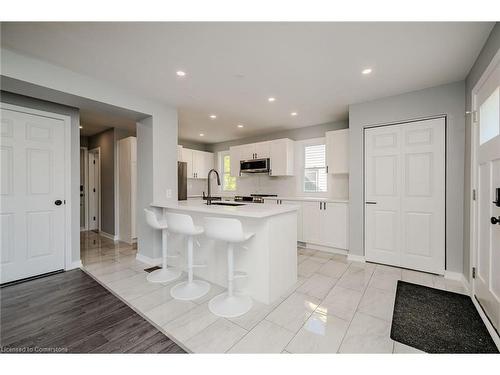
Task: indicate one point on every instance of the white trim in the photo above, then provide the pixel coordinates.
(107, 235)
(147, 260)
(453, 275)
(494, 335)
(326, 249)
(473, 203)
(356, 258)
(74, 265)
(67, 172)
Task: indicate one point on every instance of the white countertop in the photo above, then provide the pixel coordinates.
(248, 210)
(309, 199)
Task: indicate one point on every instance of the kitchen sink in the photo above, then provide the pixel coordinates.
(227, 204)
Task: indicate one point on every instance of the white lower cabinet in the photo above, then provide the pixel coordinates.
(300, 232)
(334, 225)
(323, 224)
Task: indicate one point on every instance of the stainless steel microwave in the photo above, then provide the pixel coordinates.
(255, 166)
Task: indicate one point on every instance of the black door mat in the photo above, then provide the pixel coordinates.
(437, 321)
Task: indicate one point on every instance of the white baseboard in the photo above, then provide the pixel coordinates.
(326, 249)
(494, 335)
(74, 265)
(356, 258)
(147, 260)
(453, 275)
(107, 235)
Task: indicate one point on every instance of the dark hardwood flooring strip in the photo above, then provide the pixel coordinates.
(71, 312)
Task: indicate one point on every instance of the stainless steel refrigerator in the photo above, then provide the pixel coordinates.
(181, 180)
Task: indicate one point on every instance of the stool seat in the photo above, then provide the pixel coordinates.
(165, 274)
(190, 289)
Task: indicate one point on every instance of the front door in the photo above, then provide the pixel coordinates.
(487, 145)
(405, 195)
(32, 214)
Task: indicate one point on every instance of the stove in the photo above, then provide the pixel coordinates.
(253, 198)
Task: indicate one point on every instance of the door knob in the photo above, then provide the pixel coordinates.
(494, 220)
(58, 202)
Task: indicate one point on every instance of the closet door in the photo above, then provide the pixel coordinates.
(383, 194)
(405, 195)
(423, 196)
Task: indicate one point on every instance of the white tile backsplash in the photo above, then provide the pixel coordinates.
(338, 186)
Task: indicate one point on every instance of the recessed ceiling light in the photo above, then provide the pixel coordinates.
(366, 71)
(213, 116)
(271, 99)
(180, 73)
(81, 127)
(240, 125)
(202, 135)
(293, 114)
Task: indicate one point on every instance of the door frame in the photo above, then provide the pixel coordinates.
(473, 203)
(68, 174)
(86, 185)
(97, 150)
(403, 122)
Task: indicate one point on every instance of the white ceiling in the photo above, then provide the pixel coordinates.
(232, 68)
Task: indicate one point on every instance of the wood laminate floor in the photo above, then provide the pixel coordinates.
(71, 313)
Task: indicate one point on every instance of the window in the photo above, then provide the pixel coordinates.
(228, 182)
(489, 115)
(315, 176)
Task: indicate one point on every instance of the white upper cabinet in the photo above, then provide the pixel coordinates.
(262, 150)
(279, 151)
(337, 151)
(199, 163)
(281, 155)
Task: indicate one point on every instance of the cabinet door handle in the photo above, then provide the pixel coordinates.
(327, 169)
(370, 202)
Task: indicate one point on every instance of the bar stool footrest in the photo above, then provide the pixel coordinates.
(240, 274)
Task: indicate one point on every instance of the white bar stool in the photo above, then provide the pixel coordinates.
(190, 289)
(228, 304)
(165, 274)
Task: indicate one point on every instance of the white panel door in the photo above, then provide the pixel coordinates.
(32, 180)
(405, 195)
(423, 196)
(487, 262)
(383, 194)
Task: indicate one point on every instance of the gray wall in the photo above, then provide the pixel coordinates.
(106, 142)
(489, 50)
(24, 101)
(148, 239)
(194, 145)
(446, 100)
(308, 132)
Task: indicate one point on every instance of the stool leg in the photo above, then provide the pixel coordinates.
(230, 269)
(190, 259)
(165, 274)
(164, 248)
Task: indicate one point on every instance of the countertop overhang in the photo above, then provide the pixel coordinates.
(248, 210)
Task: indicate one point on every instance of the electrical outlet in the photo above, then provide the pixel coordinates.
(169, 193)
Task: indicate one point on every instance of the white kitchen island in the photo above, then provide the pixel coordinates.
(269, 257)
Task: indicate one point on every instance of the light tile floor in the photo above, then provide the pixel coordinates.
(336, 306)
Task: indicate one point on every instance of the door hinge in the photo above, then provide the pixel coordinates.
(473, 272)
(474, 194)
(474, 116)
(94, 190)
